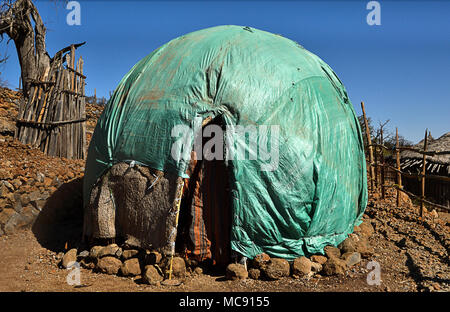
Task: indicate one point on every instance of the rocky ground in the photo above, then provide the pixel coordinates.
(41, 221)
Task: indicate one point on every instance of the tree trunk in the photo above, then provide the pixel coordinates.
(16, 21)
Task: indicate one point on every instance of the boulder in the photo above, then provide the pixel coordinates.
(260, 260)
(68, 258)
(111, 250)
(351, 258)
(316, 267)
(366, 229)
(332, 252)
(178, 267)
(83, 254)
(254, 273)
(131, 267)
(153, 257)
(128, 254)
(334, 266)
(349, 244)
(364, 248)
(198, 271)
(151, 275)
(319, 259)
(276, 269)
(236, 271)
(93, 253)
(301, 266)
(109, 265)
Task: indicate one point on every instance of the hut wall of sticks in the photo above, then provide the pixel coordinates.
(422, 171)
(437, 165)
(53, 118)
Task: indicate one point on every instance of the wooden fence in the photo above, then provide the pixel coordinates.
(53, 118)
(377, 168)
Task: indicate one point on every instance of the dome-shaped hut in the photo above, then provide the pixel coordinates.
(288, 179)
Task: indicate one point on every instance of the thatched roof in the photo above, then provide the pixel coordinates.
(410, 159)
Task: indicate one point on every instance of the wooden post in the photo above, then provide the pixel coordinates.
(82, 113)
(425, 143)
(369, 142)
(376, 165)
(382, 164)
(72, 65)
(399, 175)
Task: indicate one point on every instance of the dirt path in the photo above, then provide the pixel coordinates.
(413, 256)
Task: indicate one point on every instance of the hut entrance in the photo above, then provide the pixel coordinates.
(204, 228)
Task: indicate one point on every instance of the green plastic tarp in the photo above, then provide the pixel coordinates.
(317, 192)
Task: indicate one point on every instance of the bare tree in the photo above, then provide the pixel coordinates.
(17, 19)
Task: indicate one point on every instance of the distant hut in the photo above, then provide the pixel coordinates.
(437, 191)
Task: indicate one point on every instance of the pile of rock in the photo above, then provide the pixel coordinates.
(153, 268)
(28, 177)
(150, 266)
(336, 261)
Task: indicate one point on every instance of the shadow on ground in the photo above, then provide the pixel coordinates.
(61, 219)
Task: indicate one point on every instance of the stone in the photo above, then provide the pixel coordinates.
(24, 199)
(131, 267)
(36, 195)
(83, 254)
(93, 253)
(434, 214)
(5, 215)
(316, 267)
(18, 206)
(351, 258)
(301, 266)
(68, 258)
(319, 259)
(109, 265)
(276, 269)
(334, 266)
(178, 268)
(236, 271)
(198, 271)
(364, 248)
(349, 244)
(151, 275)
(47, 182)
(40, 177)
(154, 257)
(17, 183)
(260, 260)
(130, 253)
(9, 186)
(4, 191)
(366, 229)
(55, 182)
(38, 204)
(15, 222)
(254, 273)
(332, 252)
(110, 250)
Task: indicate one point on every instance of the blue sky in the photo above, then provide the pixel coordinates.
(400, 69)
